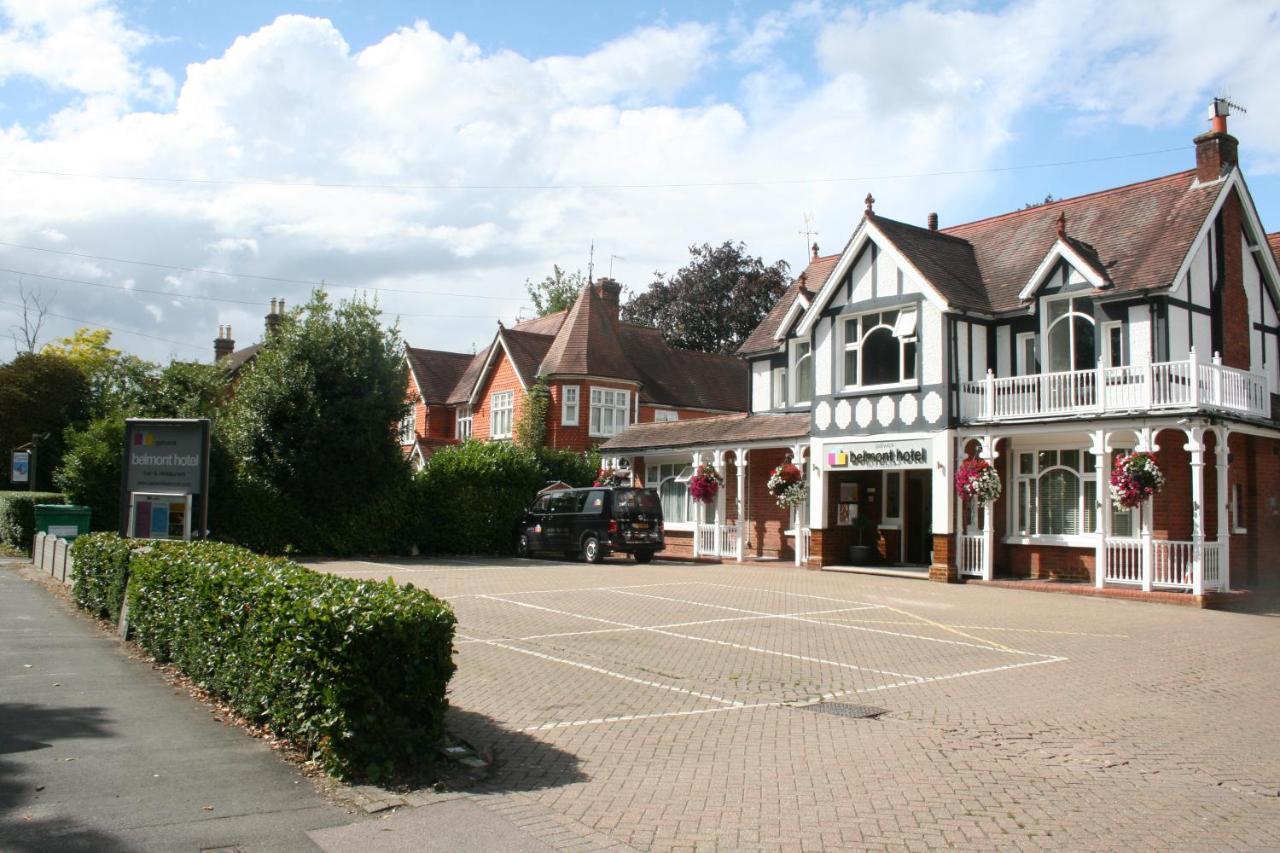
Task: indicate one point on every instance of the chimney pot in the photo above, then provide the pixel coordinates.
(815, 250)
(223, 345)
(1217, 152)
(933, 221)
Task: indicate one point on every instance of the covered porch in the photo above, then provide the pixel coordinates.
(1055, 520)
(744, 522)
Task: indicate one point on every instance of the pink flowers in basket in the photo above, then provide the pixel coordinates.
(608, 478)
(977, 480)
(705, 484)
(1134, 478)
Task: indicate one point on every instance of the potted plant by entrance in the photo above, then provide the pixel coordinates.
(864, 554)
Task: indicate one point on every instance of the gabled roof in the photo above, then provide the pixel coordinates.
(1273, 240)
(467, 381)
(546, 325)
(684, 378)
(723, 429)
(241, 358)
(527, 350)
(946, 262)
(436, 372)
(587, 343)
(806, 286)
(1138, 234)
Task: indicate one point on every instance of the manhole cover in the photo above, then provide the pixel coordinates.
(840, 709)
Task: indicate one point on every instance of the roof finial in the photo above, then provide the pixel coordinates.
(815, 250)
(1062, 224)
(870, 201)
(500, 326)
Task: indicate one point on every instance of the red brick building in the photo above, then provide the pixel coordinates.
(602, 375)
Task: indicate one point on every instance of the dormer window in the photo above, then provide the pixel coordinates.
(1069, 334)
(880, 348)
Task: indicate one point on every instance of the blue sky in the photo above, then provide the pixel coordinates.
(767, 108)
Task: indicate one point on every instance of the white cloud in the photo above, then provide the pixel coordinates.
(900, 90)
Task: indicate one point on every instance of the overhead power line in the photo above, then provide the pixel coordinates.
(118, 329)
(188, 296)
(229, 274)
(332, 185)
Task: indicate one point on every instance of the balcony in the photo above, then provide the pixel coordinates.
(1185, 385)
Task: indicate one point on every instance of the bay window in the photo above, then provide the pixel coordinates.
(1056, 493)
(501, 409)
(609, 411)
(880, 348)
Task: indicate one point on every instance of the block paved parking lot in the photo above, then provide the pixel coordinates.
(698, 707)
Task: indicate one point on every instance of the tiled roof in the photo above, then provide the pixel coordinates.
(436, 372)
(809, 282)
(466, 383)
(684, 378)
(947, 262)
(723, 429)
(587, 343)
(236, 361)
(545, 325)
(527, 349)
(1273, 240)
(1138, 234)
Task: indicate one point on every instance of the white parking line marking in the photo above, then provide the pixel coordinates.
(570, 589)
(797, 618)
(725, 643)
(599, 671)
(672, 625)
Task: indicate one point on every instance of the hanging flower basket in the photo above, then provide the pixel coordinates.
(1135, 477)
(608, 478)
(787, 485)
(705, 484)
(977, 480)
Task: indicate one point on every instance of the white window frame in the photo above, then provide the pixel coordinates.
(1086, 473)
(1046, 350)
(911, 335)
(1237, 500)
(778, 387)
(570, 405)
(502, 409)
(680, 472)
(892, 522)
(663, 416)
(1111, 358)
(462, 423)
(1026, 359)
(409, 427)
(614, 402)
(794, 391)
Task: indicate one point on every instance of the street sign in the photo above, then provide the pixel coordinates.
(20, 467)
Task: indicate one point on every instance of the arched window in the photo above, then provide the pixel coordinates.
(672, 482)
(802, 358)
(880, 348)
(1069, 334)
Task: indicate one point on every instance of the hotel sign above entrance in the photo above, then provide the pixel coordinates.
(876, 456)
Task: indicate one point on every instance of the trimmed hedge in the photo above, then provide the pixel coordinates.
(99, 572)
(18, 516)
(353, 671)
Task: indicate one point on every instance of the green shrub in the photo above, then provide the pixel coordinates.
(18, 516)
(99, 571)
(354, 671)
(91, 469)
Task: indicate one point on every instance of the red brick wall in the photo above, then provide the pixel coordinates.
(1049, 561)
(1255, 463)
(1236, 328)
(647, 413)
(502, 377)
(578, 437)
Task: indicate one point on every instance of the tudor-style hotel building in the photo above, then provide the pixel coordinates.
(1047, 341)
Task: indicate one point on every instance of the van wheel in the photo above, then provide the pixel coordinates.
(591, 549)
(522, 545)
(643, 556)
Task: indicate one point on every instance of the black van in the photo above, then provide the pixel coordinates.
(593, 522)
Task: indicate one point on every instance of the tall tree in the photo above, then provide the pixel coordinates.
(117, 382)
(39, 395)
(317, 416)
(713, 302)
(556, 292)
(35, 308)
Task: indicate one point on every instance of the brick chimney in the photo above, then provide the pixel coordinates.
(223, 345)
(610, 293)
(274, 316)
(1216, 151)
(933, 222)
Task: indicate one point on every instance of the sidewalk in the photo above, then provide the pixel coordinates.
(98, 753)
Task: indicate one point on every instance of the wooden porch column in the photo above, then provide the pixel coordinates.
(989, 453)
(1101, 450)
(717, 462)
(1222, 458)
(1195, 446)
(697, 461)
(740, 459)
(799, 515)
(1146, 441)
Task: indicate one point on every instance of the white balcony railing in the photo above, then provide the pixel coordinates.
(1185, 384)
(1167, 564)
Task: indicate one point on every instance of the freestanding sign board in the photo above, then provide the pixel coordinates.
(20, 467)
(168, 457)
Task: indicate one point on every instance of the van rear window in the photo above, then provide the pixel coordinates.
(637, 500)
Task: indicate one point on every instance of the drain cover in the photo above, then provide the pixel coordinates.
(840, 709)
